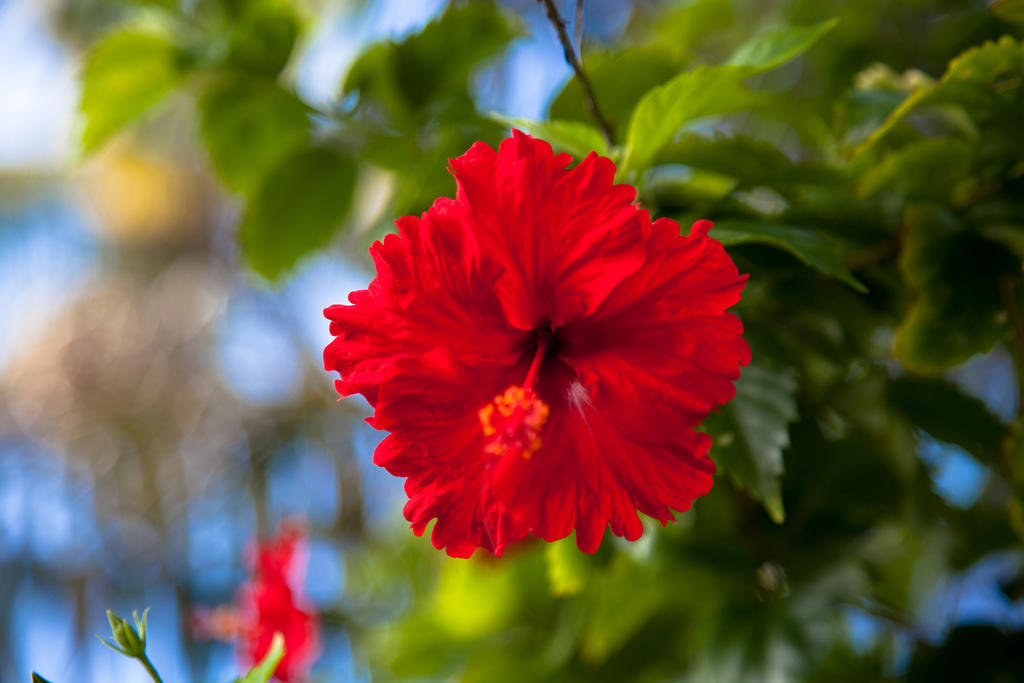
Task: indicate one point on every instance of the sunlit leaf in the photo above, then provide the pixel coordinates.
(815, 249)
(577, 138)
(771, 49)
(752, 431)
(262, 672)
(619, 80)
(125, 75)
(568, 568)
(248, 126)
(659, 115)
(298, 207)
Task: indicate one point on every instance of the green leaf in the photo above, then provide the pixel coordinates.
(299, 206)
(956, 275)
(692, 95)
(36, 678)
(769, 50)
(986, 80)
(262, 672)
(576, 138)
(1008, 10)
(817, 250)
(619, 80)
(752, 431)
(930, 169)
(941, 409)
(568, 567)
(125, 75)
(752, 162)
(248, 126)
(430, 69)
(263, 36)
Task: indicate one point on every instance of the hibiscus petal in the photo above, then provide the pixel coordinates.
(566, 237)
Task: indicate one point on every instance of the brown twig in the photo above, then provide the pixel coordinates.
(574, 62)
(577, 28)
(1008, 293)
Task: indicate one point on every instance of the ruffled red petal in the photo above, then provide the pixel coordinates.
(641, 351)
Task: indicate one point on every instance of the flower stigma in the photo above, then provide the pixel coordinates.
(513, 420)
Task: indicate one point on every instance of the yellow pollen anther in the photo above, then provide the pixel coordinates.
(512, 422)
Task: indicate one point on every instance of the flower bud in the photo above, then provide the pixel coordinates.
(127, 640)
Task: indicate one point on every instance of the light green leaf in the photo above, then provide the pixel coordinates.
(235, 113)
(262, 672)
(817, 250)
(577, 138)
(1008, 10)
(752, 431)
(299, 206)
(126, 74)
(619, 80)
(659, 115)
(941, 409)
(568, 567)
(769, 50)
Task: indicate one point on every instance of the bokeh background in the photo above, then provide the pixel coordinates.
(161, 404)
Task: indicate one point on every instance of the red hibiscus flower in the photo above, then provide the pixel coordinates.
(270, 602)
(540, 352)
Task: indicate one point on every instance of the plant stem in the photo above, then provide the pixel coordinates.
(150, 669)
(574, 61)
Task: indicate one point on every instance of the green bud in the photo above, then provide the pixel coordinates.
(127, 640)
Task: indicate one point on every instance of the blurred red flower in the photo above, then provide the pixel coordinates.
(270, 602)
(540, 352)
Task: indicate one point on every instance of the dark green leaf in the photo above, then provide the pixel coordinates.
(986, 80)
(299, 206)
(1008, 10)
(945, 412)
(769, 50)
(248, 126)
(36, 678)
(815, 249)
(752, 431)
(930, 169)
(263, 36)
(430, 69)
(957, 277)
(752, 162)
(125, 74)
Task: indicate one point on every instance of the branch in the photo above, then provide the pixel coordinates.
(574, 61)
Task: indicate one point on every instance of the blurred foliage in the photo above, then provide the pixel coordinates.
(863, 162)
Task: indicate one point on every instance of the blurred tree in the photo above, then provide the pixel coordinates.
(863, 162)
